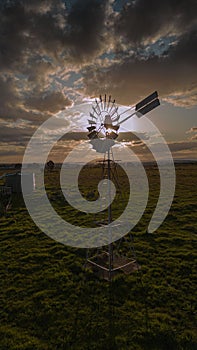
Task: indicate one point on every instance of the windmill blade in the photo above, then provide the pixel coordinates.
(115, 111)
(146, 100)
(105, 100)
(91, 128)
(109, 100)
(97, 105)
(149, 107)
(112, 106)
(94, 109)
(93, 135)
(101, 101)
(91, 121)
(92, 116)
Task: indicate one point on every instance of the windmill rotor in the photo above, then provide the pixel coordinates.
(105, 118)
(103, 123)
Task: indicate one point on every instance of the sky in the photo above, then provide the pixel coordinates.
(56, 56)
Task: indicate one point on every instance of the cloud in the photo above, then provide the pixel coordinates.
(186, 99)
(13, 135)
(185, 150)
(137, 143)
(37, 37)
(86, 29)
(51, 102)
(54, 52)
(182, 146)
(9, 95)
(130, 137)
(144, 21)
(173, 75)
(193, 131)
(47, 28)
(26, 32)
(138, 72)
(38, 40)
(19, 101)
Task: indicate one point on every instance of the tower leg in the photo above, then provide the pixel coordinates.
(109, 217)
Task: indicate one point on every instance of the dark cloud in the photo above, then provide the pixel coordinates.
(36, 39)
(47, 28)
(40, 38)
(186, 49)
(13, 42)
(136, 73)
(86, 29)
(133, 77)
(35, 106)
(130, 137)
(9, 93)
(143, 20)
(16, 135)
(182, 146)
(25, 33)
(182, 149)
(34, 30)
(11, 150)
(51, 102)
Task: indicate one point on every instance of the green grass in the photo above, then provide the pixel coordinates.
(49, 301)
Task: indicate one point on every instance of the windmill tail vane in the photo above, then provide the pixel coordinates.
(144, 106)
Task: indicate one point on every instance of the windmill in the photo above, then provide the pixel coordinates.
(104, 124)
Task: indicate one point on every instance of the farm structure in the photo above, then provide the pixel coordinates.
(13, 181)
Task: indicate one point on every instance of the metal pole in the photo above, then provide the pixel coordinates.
(109, 217)
(111, 301)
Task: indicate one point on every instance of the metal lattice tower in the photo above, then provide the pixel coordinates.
(104, 124)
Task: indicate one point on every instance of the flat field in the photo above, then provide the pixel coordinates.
(50, 301)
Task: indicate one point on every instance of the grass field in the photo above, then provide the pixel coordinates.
(50, 301)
